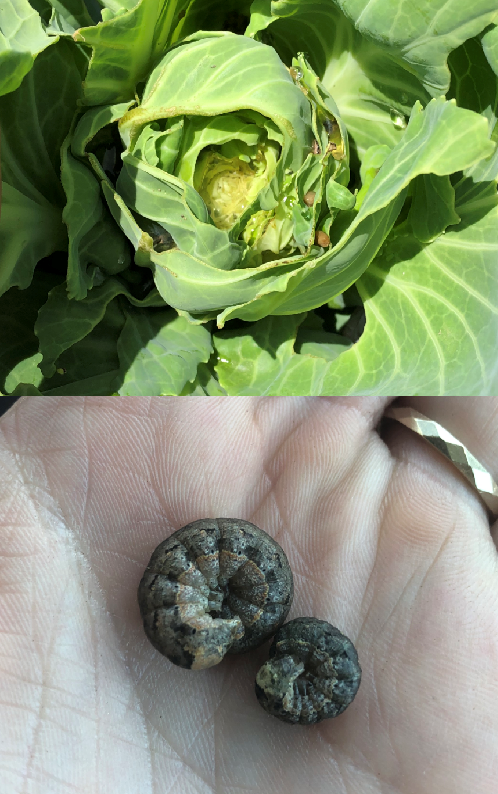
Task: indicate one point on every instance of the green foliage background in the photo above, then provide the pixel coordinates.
(85, 308)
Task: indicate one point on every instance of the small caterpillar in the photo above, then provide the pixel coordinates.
(312, 674)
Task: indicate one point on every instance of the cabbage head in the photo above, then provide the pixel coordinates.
(227, 161)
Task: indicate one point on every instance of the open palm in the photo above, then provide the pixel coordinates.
(385, 539)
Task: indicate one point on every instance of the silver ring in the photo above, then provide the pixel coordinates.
(453, 449)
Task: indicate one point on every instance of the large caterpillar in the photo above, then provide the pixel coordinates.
(216, 586)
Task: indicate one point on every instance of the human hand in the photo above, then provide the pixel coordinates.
(386, 541)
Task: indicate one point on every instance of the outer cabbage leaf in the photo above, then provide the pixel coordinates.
(63, 322)
(22, 37)
(474, 84)
(96, 245)
(35, 120)
(29, 231)
(421, 36)
(159, 352)
(63, 17)
(19, 355)
(205, 384)
(104, 344)
(263, 361)
(90, 365)
(432, 313)
(231, 15)
(128, 352)
(433, 207)
(126, 45)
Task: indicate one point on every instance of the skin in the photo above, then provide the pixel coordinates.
(386, 540)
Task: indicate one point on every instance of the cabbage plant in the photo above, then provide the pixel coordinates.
(267, 197)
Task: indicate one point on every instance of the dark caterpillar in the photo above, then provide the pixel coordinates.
(216, 586)
(312, 673)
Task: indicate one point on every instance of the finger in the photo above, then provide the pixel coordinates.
(412, 451)
(472, 420)
(429, 608)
